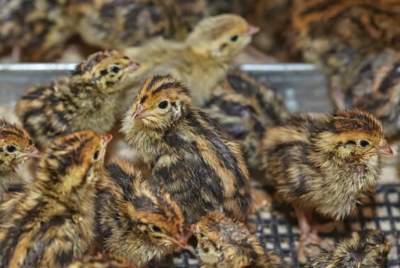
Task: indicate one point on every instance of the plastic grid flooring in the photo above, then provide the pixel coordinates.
(278, 231)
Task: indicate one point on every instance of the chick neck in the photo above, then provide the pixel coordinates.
(6, 176)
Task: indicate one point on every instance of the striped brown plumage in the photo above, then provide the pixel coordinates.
(136, 222)
(99, 261)
(188, 152)
(323, 164)
(331, 32)
(108, 24)
(225, 243)
(16, 147)
(335, 34)
(366, 248)
(87, 99)
(52, 222)
(38, 29)
(371, 83)
(245, 108)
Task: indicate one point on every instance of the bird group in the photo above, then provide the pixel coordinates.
(199, 131)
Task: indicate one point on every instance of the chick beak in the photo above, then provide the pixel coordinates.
(107, 138)
(386, 150)
(133, 66)
(253, 30)
(139, 112)
(34, 153)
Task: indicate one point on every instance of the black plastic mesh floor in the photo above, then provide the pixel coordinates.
(278, 231)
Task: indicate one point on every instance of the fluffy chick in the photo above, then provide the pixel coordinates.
(222, 242)
(136, 221)
(52, 223)
(189, 154)
(331, 33)
(16, 147)
(36, 30)
(368, 248)
(87, 99)
(371, 83)
(115, 25)
(323, 164)
(245, 108)
(204, 56)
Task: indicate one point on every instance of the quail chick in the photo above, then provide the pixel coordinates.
(245, 108)
(136, 221)
(52, 223)
(368, 248)
(36, 30)
(204, 56)
(222, 242)
(332, 32)
(371, 83)
(109, 24)
(274, 17)
(15, 148)
(87, 99)
(323, 164)
(188, 153)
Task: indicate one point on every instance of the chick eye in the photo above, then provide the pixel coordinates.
(364, 143)
(351, 142)
(96, 155)
(234, 38)
(163, 105)
(115, 69)
(156, 229)
(11, 148)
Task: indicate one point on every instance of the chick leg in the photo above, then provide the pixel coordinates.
(309, 235)
(305, 231)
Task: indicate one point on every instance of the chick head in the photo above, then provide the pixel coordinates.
(222, 37)
(367, 248)
(161, 222)
(107, 71)
(161, 102)
(16, 146)
(72, 162)
(355, 135)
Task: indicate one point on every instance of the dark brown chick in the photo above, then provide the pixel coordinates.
(372, 84)
(323, 164)
(222, 242)
(35, 30)
(245, 108)
(368, 248)
(136, 221)
(332, 32)
(87, 99)
(189, 155)
(52, 223)
(205, 55)
(16, 147)
(109, 24)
